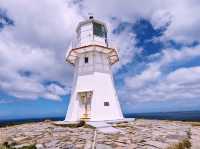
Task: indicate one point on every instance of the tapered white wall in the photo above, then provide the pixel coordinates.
(95, 76)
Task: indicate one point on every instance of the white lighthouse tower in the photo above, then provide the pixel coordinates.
(93, 96)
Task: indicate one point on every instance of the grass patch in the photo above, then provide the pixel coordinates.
(73, 125)
(195, 123)
(184, 144)
(7, 146)
(121, 125)
(3, 147)
(88, 126)
(29, 147)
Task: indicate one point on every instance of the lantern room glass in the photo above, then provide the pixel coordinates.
(99, 30)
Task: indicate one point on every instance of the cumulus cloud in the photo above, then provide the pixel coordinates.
(56, 89)
(181, 14)
(154, 84)
(185, 76)
(32, 51)
(140, 80)
(125, 44)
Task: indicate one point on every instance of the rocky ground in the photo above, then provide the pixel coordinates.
(140, 134)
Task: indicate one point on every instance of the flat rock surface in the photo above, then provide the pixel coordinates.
(139, 134)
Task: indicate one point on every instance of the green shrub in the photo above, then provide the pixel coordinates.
(7, 146)
(184, 144)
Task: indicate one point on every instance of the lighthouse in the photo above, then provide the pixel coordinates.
(93, 95)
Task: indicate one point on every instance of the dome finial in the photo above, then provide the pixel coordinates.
(91, 15)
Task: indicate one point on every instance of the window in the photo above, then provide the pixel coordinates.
(106, 103)
(86, 60)
(99, 30)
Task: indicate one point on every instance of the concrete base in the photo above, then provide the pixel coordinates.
(121, 120)
(107, 121)
(65, 122)
(102, 126)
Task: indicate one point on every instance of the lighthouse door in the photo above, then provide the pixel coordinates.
(85, 105)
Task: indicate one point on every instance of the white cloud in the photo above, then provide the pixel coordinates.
(140, 80)
(51, 96)
(38, 41)
(47, 23)
(185, 20)
(125, 44)
(37, 45)
(185, 76)
(177, 55)
(53, 88)
(183, 15)
(152, 84)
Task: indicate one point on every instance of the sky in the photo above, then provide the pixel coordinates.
(159, 51)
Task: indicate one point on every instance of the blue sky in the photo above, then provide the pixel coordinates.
(159, 67)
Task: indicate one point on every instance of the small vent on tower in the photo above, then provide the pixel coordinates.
(91, 17)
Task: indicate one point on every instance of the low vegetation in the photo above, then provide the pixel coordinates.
(184, 144)
(7, 146)
(75, 125)
(195, 123)
(121, 125)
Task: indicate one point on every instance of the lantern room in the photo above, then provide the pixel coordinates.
(90, 32)
(91, 39)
